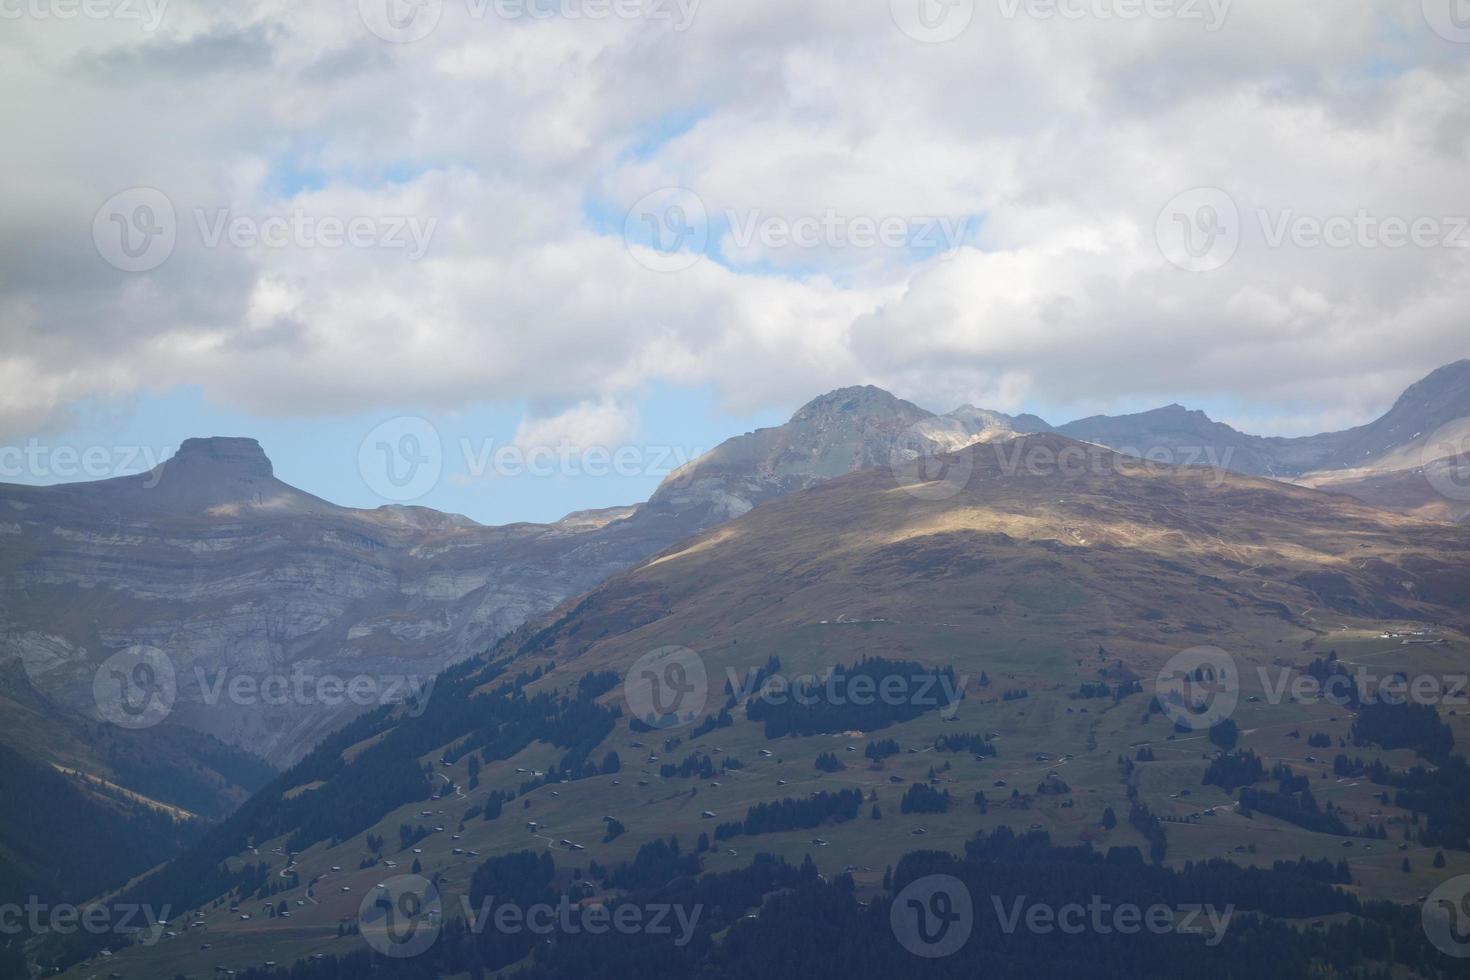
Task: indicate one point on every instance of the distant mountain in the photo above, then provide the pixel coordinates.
(1174, 434)
(1441, 399)
(230, 571)
(1394, 442)
(841, 431)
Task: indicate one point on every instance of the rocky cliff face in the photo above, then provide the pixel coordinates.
(248, 585)
(234, 574)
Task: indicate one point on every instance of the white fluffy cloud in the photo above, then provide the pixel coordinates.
(509, 152)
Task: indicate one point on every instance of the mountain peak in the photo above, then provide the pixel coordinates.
(238, 454)
(1445, 386)
(858, 400)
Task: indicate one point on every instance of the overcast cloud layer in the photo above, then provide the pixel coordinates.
(1037, 162)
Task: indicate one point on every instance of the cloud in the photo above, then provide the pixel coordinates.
(526, 142)
(583, 426)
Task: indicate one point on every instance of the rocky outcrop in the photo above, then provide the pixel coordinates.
(234, 574)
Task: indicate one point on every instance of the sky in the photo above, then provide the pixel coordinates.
(612, 233)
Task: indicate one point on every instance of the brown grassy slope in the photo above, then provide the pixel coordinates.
(1135, 556)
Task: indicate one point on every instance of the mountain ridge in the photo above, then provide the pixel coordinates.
(211, 556)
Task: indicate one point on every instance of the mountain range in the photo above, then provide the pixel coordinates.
(864, 530)
(232, 572)
(1041, 595)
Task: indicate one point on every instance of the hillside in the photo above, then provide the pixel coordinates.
(1049, 597)
(232, 572)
